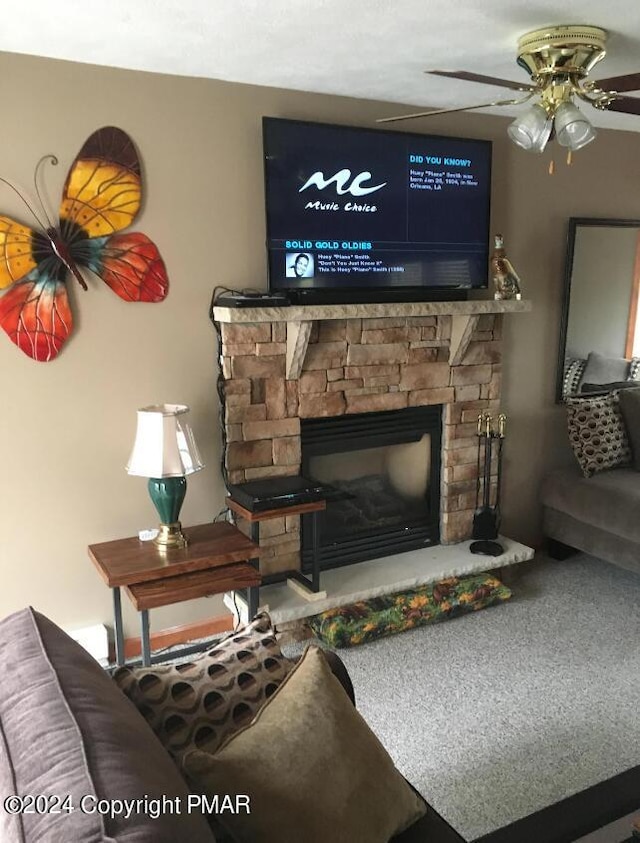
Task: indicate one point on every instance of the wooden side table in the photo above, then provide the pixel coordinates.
(311, 509)
(217, 558)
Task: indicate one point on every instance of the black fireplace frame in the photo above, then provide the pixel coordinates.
(339, 434)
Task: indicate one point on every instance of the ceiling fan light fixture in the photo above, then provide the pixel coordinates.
(572, 127)
(531, 131)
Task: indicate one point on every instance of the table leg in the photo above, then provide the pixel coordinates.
(315, 554)
(146, 644)
(119, 632)
(253, 593)
(253, 596)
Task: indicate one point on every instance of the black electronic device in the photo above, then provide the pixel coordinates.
(361, 214)
(276, 493)
(252, 300)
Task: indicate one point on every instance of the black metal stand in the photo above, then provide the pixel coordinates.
(312, 584)
(486, 517)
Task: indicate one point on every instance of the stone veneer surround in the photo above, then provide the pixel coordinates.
(273, 378)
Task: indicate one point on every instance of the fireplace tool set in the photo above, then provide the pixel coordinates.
(486, 518)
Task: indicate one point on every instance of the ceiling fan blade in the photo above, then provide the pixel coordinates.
(485, 80)
(630, 82)
(626, 105)
(452, 110)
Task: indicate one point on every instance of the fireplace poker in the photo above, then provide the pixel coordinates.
(502, 428)
(485, 528)
(479, 435)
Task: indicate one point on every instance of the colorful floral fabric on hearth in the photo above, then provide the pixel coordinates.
(379, 616)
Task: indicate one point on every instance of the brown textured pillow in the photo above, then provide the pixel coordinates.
(311, 768)
(200, 703)
(597, 433)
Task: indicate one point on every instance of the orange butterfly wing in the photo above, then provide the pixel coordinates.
(103, 189)
(131, 265)
(16, 251)
(35, 312)
(36, 315)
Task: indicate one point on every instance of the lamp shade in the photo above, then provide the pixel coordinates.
(572, 127)
(164, 444)
(531, 131)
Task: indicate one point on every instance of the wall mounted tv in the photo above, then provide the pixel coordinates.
(368, 215)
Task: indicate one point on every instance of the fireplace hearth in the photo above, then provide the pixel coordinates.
(383, 474)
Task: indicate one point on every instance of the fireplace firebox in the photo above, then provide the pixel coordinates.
(382, 472)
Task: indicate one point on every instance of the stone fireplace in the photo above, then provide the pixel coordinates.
(286, 370)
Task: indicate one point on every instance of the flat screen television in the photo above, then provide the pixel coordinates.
(369, 215)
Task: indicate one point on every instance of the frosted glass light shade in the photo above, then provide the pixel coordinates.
(164, 444)
(531, 131)
(572, 127)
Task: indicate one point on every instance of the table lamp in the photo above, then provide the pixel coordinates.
(165, 451)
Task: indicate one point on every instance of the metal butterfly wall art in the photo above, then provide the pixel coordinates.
(101, 197)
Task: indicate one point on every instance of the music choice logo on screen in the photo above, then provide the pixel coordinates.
(341, 179)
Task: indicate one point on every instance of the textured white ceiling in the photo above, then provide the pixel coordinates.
(362, 48)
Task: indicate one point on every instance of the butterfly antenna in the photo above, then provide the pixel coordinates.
(54, 161)
(15, 190)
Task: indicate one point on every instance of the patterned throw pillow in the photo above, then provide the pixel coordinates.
(634, 369)
(597, 433)
(196, 705)
(573, 371)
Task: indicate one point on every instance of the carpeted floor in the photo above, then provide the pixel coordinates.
(500, 713)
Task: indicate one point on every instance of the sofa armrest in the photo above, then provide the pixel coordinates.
(339, 671)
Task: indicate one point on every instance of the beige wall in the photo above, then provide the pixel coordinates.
(66, 427)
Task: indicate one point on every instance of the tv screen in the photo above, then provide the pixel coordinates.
(355, 211)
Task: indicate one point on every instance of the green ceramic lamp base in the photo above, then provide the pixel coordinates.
(167, 494)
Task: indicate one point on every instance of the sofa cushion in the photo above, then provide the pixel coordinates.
(311, 767)
(610, 500)
(597, 433)
(603, 369)
(65, 728)
(197, 704)
(630, 408)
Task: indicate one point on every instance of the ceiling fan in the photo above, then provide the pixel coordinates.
(558, 59)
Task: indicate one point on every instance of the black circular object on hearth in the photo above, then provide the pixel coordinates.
(486, 548)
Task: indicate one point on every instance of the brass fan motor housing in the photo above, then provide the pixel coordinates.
(561, 51)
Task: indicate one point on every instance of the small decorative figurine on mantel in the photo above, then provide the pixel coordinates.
(506, 281)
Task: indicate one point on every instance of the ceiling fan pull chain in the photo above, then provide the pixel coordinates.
(569, 158)
(552, 167)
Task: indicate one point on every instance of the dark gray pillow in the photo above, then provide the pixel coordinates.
(607, 387)
(603, 369)
(630, 407)
(66, 728)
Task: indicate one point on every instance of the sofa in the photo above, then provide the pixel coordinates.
(73, 748)
(593, 505)
(599, 515)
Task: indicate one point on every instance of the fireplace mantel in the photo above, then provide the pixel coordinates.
(313, 313)
(464, 318)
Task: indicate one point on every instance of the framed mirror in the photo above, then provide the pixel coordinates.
(600, 330)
